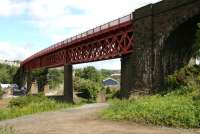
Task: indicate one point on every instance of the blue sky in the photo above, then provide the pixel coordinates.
(27, 26)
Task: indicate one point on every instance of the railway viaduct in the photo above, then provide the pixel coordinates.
(152, 43)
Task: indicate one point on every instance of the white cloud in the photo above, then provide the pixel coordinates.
(114, 64)
(10, 52)
(60, 19)
(8, 8)
(53, 17)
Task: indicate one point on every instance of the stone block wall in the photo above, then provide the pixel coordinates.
(163, 38)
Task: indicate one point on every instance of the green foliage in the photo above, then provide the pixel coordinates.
(186, 76)
(93, 74)
(7, 130)
(40, 75)
(105, 73)
(26, 100)
(1, 93)
(112, 93)
(176, 111)
(88, 82)
(86, 88)
(7, 73)
(30, 104)
(89, 73)
(178, 106)
(55, 77)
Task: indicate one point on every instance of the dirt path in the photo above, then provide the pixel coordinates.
(82, 120)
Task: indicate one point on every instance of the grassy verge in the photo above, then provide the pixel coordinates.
(178, 106)
(7, 130)
(31, 104)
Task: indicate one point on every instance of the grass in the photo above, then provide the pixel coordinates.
(175, 107)
(29, 105)
(7, 130)
(164, 111)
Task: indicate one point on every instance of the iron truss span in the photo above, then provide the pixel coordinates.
(108, 41)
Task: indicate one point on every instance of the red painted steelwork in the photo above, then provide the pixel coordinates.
(108, 41)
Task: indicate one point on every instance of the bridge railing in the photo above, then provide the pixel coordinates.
(82, 35)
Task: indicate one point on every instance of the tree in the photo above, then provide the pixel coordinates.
(7, 73)
(55, 78)
(89, 73)
(78, 72)
(4, 77)
(105, 73)
(11, 72)
(40, 75)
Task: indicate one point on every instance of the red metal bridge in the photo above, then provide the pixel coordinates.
(108, 41)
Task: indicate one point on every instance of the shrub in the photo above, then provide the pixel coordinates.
(86, 88)
(184, 77)
(112, 93)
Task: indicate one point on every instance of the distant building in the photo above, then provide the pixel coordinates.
(116, 74)
(6, 86)
(197, 61)
(11, 63)
(110, 82)
(12, 90)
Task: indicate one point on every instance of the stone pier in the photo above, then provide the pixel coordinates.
(68, 83)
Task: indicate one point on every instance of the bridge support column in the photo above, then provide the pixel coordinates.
(136, 68)
(28, 81)
(68, 83)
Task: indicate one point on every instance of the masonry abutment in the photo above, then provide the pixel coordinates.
(163, 35)
(136, 68)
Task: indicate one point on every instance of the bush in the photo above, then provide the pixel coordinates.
(112, 93)
(86, 88)
(186, 76)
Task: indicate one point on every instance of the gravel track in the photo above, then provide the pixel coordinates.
(82, 120)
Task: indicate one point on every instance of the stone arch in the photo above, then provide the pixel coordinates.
(178, 45)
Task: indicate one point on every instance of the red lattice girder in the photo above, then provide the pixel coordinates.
(109, 43)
